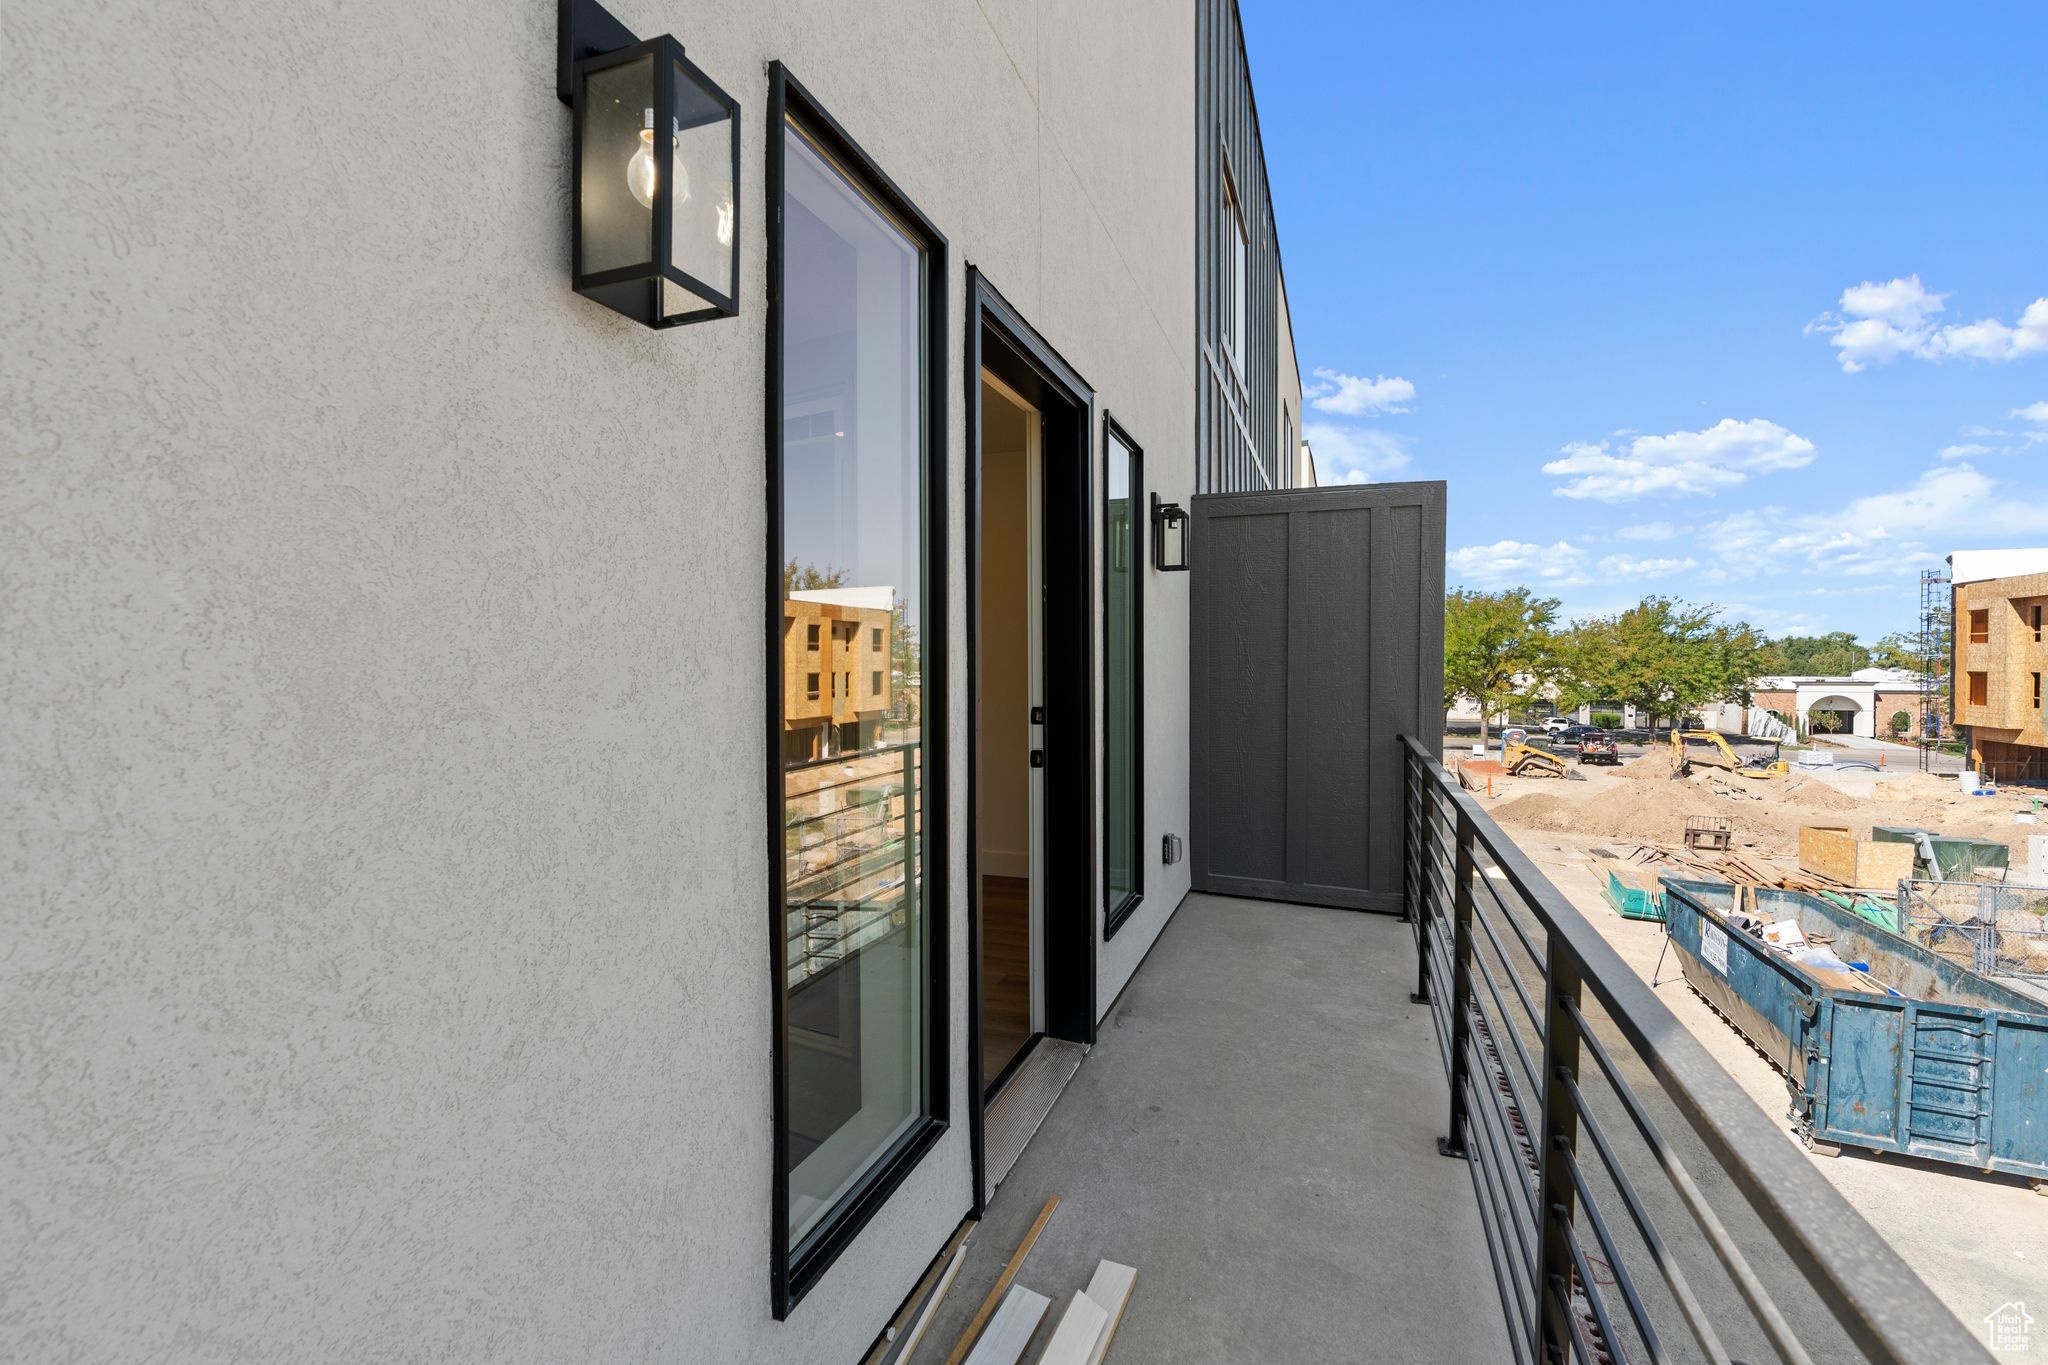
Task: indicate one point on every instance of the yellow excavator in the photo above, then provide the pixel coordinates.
(1720, 754)
(1526, 760)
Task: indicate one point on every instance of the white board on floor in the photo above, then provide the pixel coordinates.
(1110, 1289)
(1009, 1331)
(931, 1307)
(1073, 1341)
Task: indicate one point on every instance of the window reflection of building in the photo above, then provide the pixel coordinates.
(832, 637)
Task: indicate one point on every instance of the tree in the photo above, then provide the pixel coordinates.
(1834, 655)
(1901, 722)
(1496, 647)
(1825, 721)
(1897, 650)
(810, 578)
(1663, 657)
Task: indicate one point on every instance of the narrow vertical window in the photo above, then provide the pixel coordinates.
(1980, 625)
(1122, 658)
(1980, 689)
(1236, 277)
(2037, 625)
(856, 277)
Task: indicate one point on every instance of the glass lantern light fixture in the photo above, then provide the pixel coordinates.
(1169, 536)
(655, 175)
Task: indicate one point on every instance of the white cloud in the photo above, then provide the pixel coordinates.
(1506, 563)
(1648, 530)
(1880, 322)
(1722, 456)
(1355, 454)
(2033, 412)
(1350, 396)
(1629, 566)
(1889, 533)
(1965, 451)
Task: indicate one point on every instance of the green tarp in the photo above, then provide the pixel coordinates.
(1942, 858)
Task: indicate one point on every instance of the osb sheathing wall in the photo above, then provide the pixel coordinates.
(2009, 658)
(383, 954)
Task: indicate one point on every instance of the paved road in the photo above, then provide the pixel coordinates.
(1895, 755)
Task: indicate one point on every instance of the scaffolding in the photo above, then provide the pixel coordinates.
(1937, 620)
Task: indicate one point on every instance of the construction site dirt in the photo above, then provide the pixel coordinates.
(1978, 1240)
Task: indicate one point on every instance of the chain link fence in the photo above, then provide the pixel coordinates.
(1993, 928)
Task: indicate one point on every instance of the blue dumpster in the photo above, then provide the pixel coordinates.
(1951, 1067)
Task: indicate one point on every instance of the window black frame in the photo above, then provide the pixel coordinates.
(1115, 914)
(791, 1278)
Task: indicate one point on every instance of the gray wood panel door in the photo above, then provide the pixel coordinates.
(1317, 638)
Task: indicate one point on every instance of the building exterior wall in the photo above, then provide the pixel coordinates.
(1294, 452)
(1240, 396)
(2006, 729)
(386, 970)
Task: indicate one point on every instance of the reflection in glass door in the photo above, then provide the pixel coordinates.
(854, 914)
(1122, 656)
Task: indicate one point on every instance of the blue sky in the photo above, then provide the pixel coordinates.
(1728, 303)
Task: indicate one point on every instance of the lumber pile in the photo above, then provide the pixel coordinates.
(1721, 867)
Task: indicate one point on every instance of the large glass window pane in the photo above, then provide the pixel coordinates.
(1120, 655)
(853, 536)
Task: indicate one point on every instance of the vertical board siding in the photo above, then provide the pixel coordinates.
(1237, 429)
(1317, 640)
(1245, 737)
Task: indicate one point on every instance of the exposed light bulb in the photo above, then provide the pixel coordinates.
(643, 177)
(725, 214)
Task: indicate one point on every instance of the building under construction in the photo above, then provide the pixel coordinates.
(1999, 599)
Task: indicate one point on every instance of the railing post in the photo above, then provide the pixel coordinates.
(1453, 1143)
(1560, 1129)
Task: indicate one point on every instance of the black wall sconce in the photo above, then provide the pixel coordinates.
(655, 178)
(1169, 536)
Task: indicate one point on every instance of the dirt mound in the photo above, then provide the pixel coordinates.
(1814, 794)
(1649, 768)
(1628, 812)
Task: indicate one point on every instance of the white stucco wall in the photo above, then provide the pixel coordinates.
(382, 965)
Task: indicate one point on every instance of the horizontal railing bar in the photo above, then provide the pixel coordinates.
(1522, 1263)
(1674, 1275)
(1529, 1067)
(1590, 1207)
(1747, 1282)
(1514, 977)
(1595, 1300)
(1515, 1312)
(1514, 921)
(1507, 1152)
(1886, 1310)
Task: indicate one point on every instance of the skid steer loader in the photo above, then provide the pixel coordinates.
(1526, 760)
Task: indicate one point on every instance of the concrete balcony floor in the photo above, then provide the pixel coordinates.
(1256, 1133)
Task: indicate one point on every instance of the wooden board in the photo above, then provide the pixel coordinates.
(1009, 1332)
(1110, 1288)
(1835, 853)
(995, 1294)
(1073, 1341)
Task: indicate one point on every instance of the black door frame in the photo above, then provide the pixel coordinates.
(999, 340)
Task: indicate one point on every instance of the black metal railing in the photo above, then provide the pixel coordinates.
(1604, 1142)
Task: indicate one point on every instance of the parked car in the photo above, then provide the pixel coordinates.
(1597, 746)
(1570, 734)
(1553, 724)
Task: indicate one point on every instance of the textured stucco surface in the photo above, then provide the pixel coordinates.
(382, 957)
